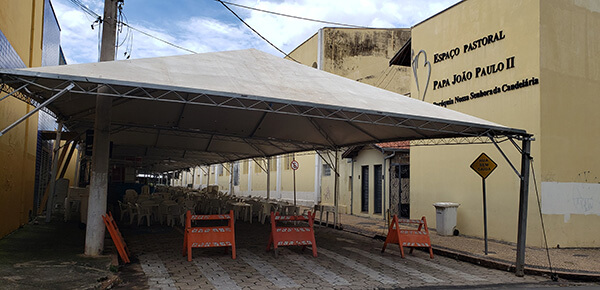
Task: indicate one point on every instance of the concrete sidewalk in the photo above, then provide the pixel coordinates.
(573, 264)
(50, 256)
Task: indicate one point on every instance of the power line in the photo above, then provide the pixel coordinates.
(242, 20)
(98, 17)
(292, 16)
(85, 8)
(159, 39)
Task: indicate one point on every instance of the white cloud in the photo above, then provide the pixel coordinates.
(78, 44)
(201, 33)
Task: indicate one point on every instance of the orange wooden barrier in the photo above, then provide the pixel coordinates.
(206, 237)
(418, 238)
(116, 236)
(292, 236)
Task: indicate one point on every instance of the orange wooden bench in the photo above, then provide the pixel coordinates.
(206, 237)
(116, 236)
(292, 236)
(407, 237)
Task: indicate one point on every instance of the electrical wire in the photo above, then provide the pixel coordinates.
(553, 275)
(394, 73)
(159, 39)
(85, 9)
(292, 16)
(96, 16)
(248, 25)
(122, 18)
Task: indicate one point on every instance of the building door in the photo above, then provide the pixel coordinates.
(377, 190)
(405, 191)
(394, 197)
(364, 189)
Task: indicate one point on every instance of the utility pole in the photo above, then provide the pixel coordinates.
(94, 235)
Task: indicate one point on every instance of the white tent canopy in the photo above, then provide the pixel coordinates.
(181, 111)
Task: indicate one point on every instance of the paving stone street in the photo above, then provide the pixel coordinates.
(345, 261)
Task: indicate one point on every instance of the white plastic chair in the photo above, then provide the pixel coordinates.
(123, 209)
(143, 212)
(133, 212)
(173, 214)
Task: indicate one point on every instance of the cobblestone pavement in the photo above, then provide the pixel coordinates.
(345, 261)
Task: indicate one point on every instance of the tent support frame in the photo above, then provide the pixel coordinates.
(43, 105)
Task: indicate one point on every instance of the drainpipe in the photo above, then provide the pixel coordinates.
(320, 49)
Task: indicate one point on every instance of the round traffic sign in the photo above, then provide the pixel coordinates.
(294, 165)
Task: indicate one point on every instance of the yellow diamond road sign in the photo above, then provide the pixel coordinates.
(483, 165)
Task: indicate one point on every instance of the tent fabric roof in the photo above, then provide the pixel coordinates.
(180, 111)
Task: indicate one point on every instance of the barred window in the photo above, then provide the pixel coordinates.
(326, 170)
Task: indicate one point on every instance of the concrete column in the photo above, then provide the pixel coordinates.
(94, 235)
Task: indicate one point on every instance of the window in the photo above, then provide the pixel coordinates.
(273, 164)
(326, 170)
(220, 169)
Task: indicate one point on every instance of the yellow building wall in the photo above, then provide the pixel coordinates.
(570, 70)
(305, 175)
(21, 23)
(442, 173)
(307, 52)
(71, 168)
(223, 179)
(17, 166)
(259, 178)
(364, 54)
(344, 183)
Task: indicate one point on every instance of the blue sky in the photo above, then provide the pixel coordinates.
(207, 26)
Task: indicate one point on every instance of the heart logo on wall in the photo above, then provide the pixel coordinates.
(415, 66)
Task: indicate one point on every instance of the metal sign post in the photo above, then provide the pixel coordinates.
(294, 165)
(484, 166)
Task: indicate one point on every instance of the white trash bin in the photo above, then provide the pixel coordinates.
(445, 217)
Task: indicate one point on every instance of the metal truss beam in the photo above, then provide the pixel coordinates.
(252, 103)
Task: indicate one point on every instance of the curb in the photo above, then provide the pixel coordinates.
(488, 263)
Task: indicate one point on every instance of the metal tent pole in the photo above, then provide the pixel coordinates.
(231, 178)
(208, 178)
(336, 189)
(268, 177)
(55, 149)
(523, 201)
(43, 105)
